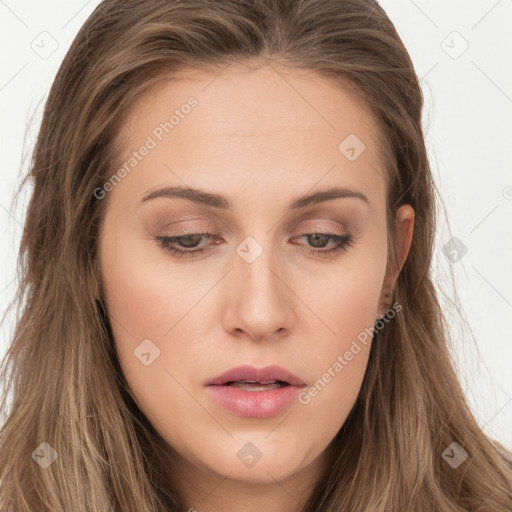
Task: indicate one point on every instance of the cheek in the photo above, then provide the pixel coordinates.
(341, 355)
(347, 303)
(142, 301)
(153, 323)
(346, 298)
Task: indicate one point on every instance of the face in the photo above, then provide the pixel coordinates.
(195, 286)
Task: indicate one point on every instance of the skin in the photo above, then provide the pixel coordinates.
(262, 138)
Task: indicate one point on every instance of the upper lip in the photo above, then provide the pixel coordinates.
(257, 375)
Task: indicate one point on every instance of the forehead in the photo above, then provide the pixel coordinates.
(242, 101)
(290, 126)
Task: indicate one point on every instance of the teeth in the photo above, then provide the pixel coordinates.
(256, 386)
(258, 382)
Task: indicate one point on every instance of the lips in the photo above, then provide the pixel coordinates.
(250, 374)
(255, 392)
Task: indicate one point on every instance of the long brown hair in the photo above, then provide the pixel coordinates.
(61, 370)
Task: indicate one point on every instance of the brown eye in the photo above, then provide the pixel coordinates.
(187, 242)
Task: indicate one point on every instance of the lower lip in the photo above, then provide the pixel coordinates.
(255, 404)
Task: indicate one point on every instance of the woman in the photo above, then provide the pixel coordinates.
(226, 264)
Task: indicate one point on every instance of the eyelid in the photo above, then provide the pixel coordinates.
(186, 228)
(321, 229)
(326, 221)
(322, 226)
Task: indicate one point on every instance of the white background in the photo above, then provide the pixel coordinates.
(468, 125)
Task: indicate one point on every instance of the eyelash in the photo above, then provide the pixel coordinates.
(166, 243)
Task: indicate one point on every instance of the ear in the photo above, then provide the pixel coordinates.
(404, 227)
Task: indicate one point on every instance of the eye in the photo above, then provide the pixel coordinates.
(191, 241)
(341, 242)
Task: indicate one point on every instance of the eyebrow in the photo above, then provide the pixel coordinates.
(219, 201)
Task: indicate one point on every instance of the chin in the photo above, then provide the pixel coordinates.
(254, 459)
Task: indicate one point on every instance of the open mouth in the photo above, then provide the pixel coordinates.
(254, 399)
(250, 385)
(252, 392)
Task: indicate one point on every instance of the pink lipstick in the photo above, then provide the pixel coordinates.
(252, 392)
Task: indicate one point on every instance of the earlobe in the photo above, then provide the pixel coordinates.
(386, 296)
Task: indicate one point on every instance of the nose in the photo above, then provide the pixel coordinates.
(260, 302)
